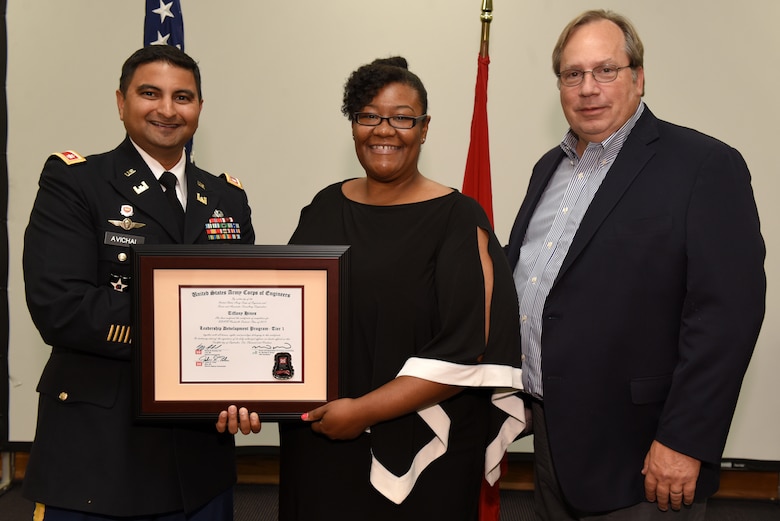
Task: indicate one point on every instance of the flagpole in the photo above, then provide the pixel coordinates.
(476, 179)
(476, 184)
(486, 17)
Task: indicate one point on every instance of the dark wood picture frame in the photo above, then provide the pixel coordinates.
(161, 271)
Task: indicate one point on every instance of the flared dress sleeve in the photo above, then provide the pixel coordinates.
(458, 354)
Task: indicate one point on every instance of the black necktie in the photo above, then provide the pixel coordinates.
(168, 180)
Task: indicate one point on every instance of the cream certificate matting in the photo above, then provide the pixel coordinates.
(240, 335)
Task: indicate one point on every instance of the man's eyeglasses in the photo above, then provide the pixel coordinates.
(602, 74)
(370, 119)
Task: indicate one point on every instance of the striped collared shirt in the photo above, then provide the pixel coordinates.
(550, 233)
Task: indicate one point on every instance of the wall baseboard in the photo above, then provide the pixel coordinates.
(260, 466)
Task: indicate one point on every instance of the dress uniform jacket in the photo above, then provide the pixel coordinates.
(88, 454)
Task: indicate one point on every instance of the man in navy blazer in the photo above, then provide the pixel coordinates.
(638, 260)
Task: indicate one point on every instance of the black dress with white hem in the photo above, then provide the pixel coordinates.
(417, 308)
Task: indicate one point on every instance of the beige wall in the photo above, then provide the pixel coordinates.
(273, 73)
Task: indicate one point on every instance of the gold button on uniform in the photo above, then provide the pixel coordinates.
(63, 396)
(122, 257)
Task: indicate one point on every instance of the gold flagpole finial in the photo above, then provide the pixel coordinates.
(486, 17)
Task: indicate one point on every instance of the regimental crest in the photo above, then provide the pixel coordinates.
(120, 283)
(283, 369)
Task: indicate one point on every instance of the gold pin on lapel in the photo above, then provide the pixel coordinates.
(202, 199)
(130, 172)
(141, 188)
(201, 185)
(126, 223)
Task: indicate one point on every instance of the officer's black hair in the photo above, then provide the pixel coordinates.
(158, 53)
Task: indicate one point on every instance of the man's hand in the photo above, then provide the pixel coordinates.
(235, 419)
(670, 477)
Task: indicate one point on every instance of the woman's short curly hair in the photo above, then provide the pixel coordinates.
(365, 83)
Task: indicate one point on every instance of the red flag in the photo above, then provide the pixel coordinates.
(476, 181)
(490, 497)
(476, 184)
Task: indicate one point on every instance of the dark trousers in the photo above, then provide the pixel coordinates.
(551, 505)
(218, 509)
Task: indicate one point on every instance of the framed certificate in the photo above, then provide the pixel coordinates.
(253, 326)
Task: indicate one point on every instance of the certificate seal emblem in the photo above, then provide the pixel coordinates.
(283, 369)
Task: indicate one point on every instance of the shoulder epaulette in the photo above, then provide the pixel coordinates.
(69, 157)
(233, 180)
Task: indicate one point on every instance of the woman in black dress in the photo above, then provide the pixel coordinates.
(433, 332)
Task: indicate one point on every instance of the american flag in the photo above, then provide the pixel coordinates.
(164, 25)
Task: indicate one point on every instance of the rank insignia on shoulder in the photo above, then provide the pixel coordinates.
(233, 180)
(69, 157)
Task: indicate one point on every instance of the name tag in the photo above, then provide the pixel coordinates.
(122, 239)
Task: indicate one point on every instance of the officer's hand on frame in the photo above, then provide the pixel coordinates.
(234, 420)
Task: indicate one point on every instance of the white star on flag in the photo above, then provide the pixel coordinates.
(161, 40)
(164, 10)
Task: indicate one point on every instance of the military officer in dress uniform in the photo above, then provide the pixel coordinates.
(89, 460)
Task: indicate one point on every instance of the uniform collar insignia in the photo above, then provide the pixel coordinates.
(139, 189)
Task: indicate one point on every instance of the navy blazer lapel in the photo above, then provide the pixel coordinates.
(631, 159)
(536, 187)
(133, 179)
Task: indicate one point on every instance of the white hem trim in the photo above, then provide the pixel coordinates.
(463, 375)
(506, 379)
(397, 488)
(513, 426)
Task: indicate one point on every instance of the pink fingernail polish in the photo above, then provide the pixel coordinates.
(305, 416)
